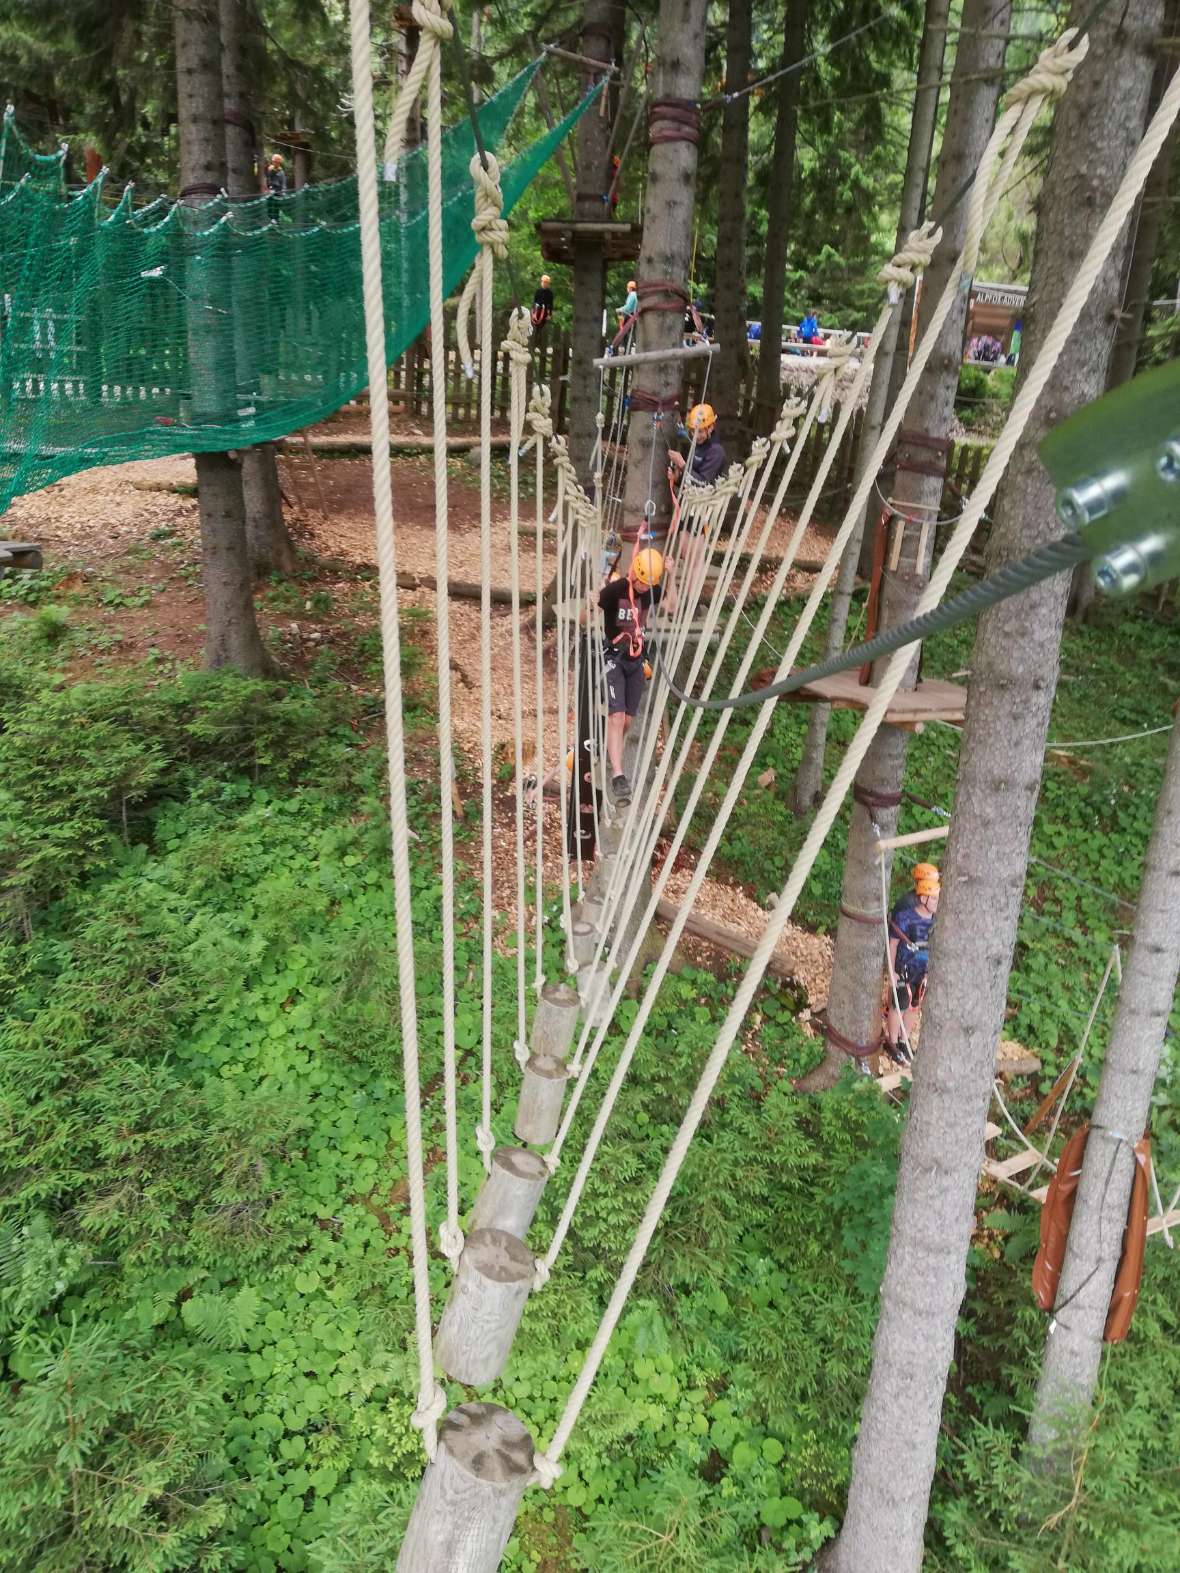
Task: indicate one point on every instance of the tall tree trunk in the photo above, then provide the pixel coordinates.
(1073, 1346)
(1014, 674)
(1152, 208)
(664, 258)
(809, 778)
(730, 293)
(602, 39)
(768, 390)
(854, 1004)
(269, 545)
(231, 631)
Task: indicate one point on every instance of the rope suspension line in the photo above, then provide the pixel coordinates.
(431, 1399)
(450, 1233)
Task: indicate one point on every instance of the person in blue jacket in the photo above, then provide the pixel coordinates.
(910, 924)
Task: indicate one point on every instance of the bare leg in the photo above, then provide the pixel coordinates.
(616, 730)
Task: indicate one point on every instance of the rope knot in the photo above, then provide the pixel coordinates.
(788, 420)
(426, 1418)
(516, 343)
(486, 1143)
(913, 258)
(489, 227)
(541, 1273)
(428, 14)
(546, 1470)
(1054, 69)
(829, 384)
(450, 1238)
(520, 1053)
(757, 453)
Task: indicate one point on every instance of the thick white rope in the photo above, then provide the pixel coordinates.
(516, 348)
(450, 1233)
(431, 1399)
(541, 424)
(433, 31)
(488, 203)
(1095, 259)
(563, 699)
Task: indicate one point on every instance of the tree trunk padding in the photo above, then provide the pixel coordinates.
(1056, 1217)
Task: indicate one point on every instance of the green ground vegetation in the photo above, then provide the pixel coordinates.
(205, 1304)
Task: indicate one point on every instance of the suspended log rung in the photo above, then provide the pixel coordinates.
(1008, 1168)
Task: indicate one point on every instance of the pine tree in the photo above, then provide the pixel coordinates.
(270, 547)
(730, 292)
(231, 631)
(1014, 672)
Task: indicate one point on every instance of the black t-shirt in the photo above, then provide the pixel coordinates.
(618, 613)
(543, 302)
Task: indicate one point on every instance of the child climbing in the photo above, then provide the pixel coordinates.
(910, 924)
(625, 603)
(626, 312)
(704, 467)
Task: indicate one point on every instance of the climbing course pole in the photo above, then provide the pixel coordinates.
(431, 1400)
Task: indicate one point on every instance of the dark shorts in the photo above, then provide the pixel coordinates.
(909, 995)
(624, 683)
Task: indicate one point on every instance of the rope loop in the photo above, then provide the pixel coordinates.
(426, 1418)
(546, 1471)
(486, 1142)
(836, 371)
(1053, 71)
(541, 1273)
(450, 1239)
(788, 420)
(516, 344)
(489, 227)
(913, 258)
(428, 14)
(520, 1052)
(757, 453)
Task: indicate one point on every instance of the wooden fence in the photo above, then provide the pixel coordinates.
(410, 387)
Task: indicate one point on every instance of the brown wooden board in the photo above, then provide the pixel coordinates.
(932, 700)
(620, 242)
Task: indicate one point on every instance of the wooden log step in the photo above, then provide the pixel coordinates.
(990, 1132)
(1156, 1225)
(1008, 1168)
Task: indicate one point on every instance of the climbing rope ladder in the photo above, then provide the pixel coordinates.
(483, 1459)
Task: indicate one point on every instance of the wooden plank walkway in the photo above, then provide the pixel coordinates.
(932, 700)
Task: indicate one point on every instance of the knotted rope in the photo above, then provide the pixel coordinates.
(491, 230)
(434, 29)
(903, 268)
(835, 376)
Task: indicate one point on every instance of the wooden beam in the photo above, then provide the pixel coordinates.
(642, 357)
(915, 837)
(723, 938)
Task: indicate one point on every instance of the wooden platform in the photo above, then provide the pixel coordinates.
(932, 700)
(19, 554)
(619, 242)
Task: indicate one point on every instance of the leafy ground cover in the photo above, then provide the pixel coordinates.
(204, 1276)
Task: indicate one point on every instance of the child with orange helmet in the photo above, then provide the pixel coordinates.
(910, 924)
(625, 603)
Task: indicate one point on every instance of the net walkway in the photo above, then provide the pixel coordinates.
(136, 333)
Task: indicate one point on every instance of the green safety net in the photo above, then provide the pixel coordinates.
(132, 333)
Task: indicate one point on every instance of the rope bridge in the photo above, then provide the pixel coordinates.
(97, 365)
(100, 310)
(481, 1458)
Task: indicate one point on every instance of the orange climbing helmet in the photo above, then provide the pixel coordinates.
(927, 879)
(701, 419)
(647, 568)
